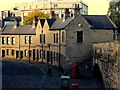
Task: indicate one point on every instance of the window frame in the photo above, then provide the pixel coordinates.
(13, 52)
(56, 37)
(8, 52)
(8, 40)
(3, 40)
(13, 41)
(63, 37)
(40, 38)
(79, 36)
(26, 38)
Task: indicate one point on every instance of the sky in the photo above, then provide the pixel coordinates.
(96, 7)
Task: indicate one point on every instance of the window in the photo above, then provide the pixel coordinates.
(13, 52)
(3, 40)
(56, 37)
(44, 38)
(30, 39)
(40, 53)
(8, 40)
(30, 53)
(54, 56)
(79, 36)
(8, 52)
(13, 40)
(40, 38)
(57, 56)
(55, 5)
(43, 54)
(63, 36)
(26, 53)
(62, 15)
(26, 39)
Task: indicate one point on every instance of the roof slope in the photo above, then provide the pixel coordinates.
(11, 18)
(99, 21)
(60, 23)
(20, 30)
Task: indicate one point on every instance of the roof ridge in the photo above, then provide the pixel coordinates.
(111, 21)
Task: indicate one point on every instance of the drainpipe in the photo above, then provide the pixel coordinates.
(19, 47)
(59, 47)
(29, 48)
(42, 45)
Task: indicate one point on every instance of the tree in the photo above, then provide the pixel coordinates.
(114, 13)
(29, 18)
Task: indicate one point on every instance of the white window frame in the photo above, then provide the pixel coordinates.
(13, 40)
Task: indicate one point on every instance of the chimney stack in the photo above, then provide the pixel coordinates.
(67, 13)
(2, 24)
(9, 14)
(52, 14)
(2, 15)
(34, 22)
(76, 10)
(16, 22)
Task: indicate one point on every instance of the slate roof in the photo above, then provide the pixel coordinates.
(20, 30)
(60, 23)
(11, 18)
(42, 21)
(99, 21)
(50, 22)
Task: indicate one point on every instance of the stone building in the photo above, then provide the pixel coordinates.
(61, 42)
(46, 6)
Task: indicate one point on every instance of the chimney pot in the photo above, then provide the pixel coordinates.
(8, 13)
(78, 5)
(3, 24)
(75, 5)
(16, 22)
(66, 10)
(16, 18)
(34, 22)
(35, 17)
(52, 12)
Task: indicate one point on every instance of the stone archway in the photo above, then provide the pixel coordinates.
(97, 73)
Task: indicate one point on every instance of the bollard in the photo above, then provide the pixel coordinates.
(75, 86)
(74, 72)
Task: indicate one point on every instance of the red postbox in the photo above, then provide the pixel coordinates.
(74, 72)
(75, 86)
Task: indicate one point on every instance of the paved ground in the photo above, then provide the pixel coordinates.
(21, 74)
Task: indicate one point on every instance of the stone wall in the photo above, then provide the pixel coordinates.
(107, 55)
(110, 73)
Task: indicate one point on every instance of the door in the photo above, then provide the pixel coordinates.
(48, 57)
(3, 53)
(37, 55)
(17, 54)
(21, 54)
(51, 57)
(33, 54)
